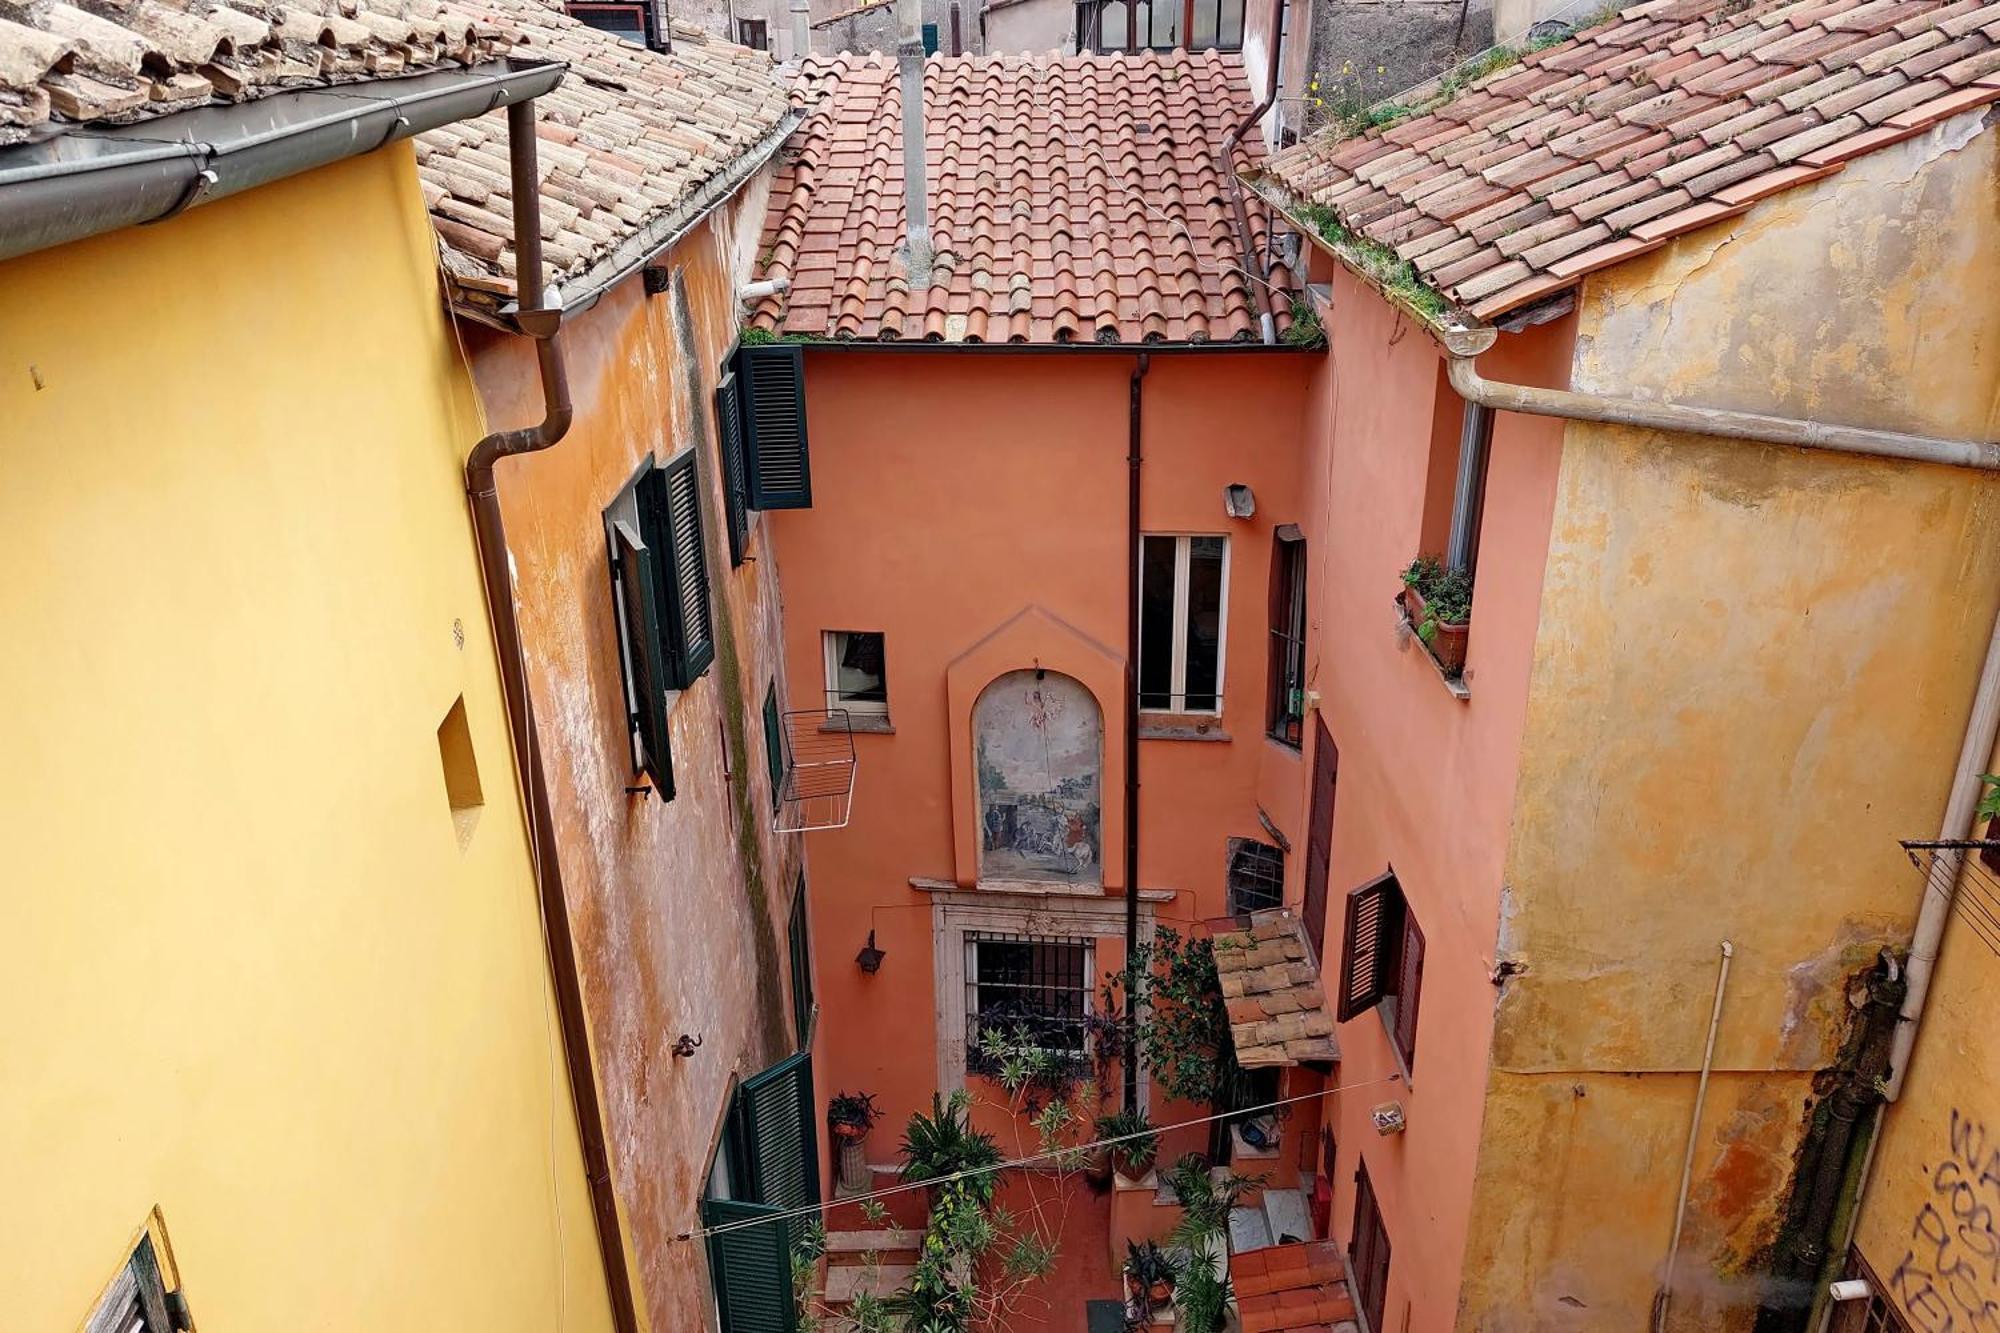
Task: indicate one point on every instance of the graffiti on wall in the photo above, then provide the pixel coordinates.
(1949, 1279)
(1038, 742)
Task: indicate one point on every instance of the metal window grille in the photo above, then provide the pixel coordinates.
(1877, 1314)
(1256, 876)
(1035, 985)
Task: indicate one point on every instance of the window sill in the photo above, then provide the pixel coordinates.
(1406, 637)
(1181, 727)
(1383, 1012)
(877, 723)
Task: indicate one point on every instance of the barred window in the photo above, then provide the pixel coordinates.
(1035, 985)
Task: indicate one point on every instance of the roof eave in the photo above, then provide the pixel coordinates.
(1455, 329)
(99, 178)
(644, 246)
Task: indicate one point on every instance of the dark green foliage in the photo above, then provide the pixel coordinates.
(944, 1144)
(1134, 1154)
(1185, 1041)
(1447, 594)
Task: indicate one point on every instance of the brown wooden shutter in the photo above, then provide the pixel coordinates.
(1368, 1253)
(645, 664)
(1368, 944)
(1409, 987)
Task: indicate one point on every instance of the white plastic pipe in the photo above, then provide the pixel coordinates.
(1982, 729)
(1850, 1289)
(1661, 1301)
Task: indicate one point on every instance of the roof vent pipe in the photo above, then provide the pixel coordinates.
(802, 42)
(916, 211)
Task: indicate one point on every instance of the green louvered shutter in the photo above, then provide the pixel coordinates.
(774, 1129)
(772, 378)
(729, 441)
(670, 509)
(751, 1267)
(645, 666)
(802, 977)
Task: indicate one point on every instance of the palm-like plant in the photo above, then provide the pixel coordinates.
(943, 1144)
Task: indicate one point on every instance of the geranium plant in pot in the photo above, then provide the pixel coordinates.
(1438, 602)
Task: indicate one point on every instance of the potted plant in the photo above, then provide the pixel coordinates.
(1137, 1142)
(1150, 1274)
(850, 1115)
(1438, 602)
(943, 1144)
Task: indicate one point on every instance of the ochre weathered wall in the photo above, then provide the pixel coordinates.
(253, 978)
(976, 499)
(680, 907)
(1752, 672)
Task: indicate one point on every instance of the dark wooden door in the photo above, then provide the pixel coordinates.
(1319, 836)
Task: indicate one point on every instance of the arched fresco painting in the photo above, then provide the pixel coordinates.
(1038, 741)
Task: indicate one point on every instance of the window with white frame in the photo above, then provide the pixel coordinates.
(856, 675)
(1027, 985)
(1182, 614)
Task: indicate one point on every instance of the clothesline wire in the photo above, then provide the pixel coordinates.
(808, 1210)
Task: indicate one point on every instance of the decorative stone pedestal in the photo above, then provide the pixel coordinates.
(855, 1178)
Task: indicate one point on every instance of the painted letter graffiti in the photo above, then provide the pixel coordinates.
(1949, 1279)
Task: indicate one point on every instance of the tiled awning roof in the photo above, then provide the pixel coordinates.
(119, 62)
(627, 143)
(1673, 115)
(1281, 1288)
(1072, 199)
(1270, 985)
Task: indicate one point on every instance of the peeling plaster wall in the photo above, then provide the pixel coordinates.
(1752, 673)
(680, 907)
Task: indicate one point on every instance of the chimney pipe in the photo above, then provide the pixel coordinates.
(916, 210)
(801, 29)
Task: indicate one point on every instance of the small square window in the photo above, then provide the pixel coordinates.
(856, 674)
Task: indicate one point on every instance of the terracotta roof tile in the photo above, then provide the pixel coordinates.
(1041, 236)
(1670, 116)
(63, 64)
(1277, 1010)
(627, 142)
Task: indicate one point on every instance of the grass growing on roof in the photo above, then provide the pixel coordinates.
(1397, 276)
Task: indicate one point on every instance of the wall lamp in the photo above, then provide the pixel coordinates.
(1238, 501)
(870, 958)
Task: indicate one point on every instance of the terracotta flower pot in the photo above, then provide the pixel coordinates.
(1160, 1294)
(1134, 1167)
(1447, 641)
(847, 1131)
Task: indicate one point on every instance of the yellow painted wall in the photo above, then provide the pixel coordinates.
(1752, 671)
(250, 975)
(1930, 1222)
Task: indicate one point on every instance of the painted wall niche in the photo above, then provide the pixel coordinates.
(1038, 744)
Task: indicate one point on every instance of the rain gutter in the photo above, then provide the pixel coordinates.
(544, 325)
(1225, 161)
(95, 179)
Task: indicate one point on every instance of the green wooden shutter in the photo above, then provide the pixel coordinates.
(774, 1127)
(773, 380)
(670, 509)
(1374, 930)
(751, 1267)
(645, 665)
(774, 746)
(802, 981)
(729, 442)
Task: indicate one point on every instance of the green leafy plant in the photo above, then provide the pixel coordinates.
(1205, 1200)
(943, 1144)
(1989, 801)
(1185, 1042)
(1149, 1266)
(1202, 1297)
(1305, 329)
(1395, 275)
(1133, 1155)
(1447, 594)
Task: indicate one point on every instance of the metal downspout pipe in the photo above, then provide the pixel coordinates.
(1134, 462)
(543, 324)
(1254, 268)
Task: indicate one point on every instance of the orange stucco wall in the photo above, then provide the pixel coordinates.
(680, 907)
(971, 506)
(1426, 780)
